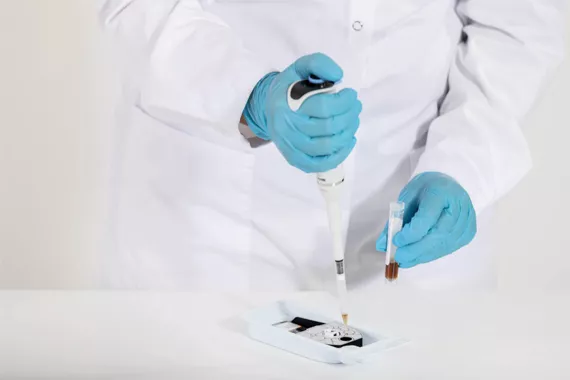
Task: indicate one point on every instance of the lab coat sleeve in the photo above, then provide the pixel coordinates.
(190, 70)
(509, 49)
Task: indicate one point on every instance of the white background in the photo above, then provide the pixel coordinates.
(54, 153)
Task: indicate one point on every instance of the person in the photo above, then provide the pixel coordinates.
(214, 183)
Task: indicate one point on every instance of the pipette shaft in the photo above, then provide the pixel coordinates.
(335, 225)
(331, 184)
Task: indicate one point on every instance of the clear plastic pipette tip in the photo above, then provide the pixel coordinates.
(343, 298)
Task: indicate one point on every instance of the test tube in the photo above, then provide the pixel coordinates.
(395, 222)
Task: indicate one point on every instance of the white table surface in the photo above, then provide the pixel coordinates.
(138, 335)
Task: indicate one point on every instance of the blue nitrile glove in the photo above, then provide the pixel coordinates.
(438, 220)
(320, 135)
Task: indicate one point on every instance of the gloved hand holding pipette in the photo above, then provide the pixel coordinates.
(320, 135)
(438, 220)
(313, 126)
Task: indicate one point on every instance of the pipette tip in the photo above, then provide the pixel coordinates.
(345, 319)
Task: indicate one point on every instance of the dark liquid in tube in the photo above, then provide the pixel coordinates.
(391, 273)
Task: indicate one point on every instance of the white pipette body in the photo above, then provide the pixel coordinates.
(331, 184)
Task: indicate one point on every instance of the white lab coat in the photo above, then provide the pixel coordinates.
(444, 85)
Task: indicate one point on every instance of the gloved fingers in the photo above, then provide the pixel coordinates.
(437, 243)
(319, 65)
(323, 146)
(295, 157)
(471, 230)
(430, 256)
(318, 127)
(407, 256)
(446, 224)
(428, 249)
(382, 242)
(300, 150)
(319, 146)
(467, 229)
(408, 265)
(326, 146)
(321, 164)
(313, 164)
(290, 154)
(462, 233)
(324, 106)
(430, 209)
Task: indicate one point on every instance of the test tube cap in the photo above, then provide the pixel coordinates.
(397, 206)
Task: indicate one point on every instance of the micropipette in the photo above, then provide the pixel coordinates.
(395, 222)
(330, 184)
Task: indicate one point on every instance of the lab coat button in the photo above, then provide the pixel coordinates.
(357, 25)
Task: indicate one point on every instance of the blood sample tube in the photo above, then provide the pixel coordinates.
(395, 222)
